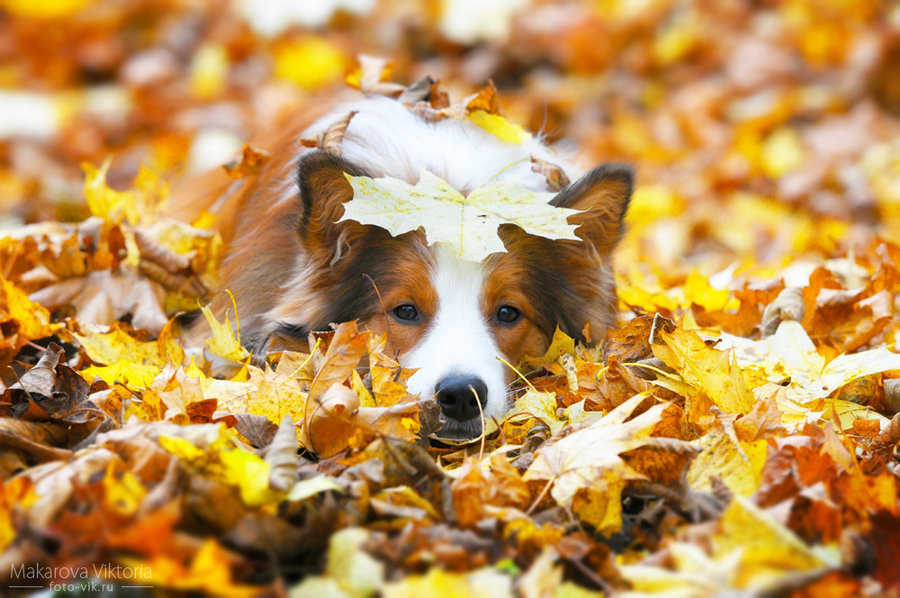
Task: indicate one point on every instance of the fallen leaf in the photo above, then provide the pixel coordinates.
(467, 224)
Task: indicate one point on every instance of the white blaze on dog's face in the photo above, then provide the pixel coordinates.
(457, 356)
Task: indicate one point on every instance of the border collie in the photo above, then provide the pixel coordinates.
(292, 267)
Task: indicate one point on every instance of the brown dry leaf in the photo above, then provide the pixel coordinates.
(556, 178)
(486, 99)
(484, 483)
(249, 164)
(335, 366)
(281, 454)
(373, 77)
(105, 297)
(330, 425)
(170, 269)
(388, 378)
(331, 139)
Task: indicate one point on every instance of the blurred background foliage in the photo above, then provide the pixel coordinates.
(759, 129)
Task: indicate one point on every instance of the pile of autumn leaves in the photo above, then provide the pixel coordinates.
(669, 459)
(744, 441)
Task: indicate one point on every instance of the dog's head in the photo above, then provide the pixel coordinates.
(453, 319)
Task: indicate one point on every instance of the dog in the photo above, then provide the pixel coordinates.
(293, 267)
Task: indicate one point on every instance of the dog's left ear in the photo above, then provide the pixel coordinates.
(602, 195)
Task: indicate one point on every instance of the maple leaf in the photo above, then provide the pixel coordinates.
(706, 369)
(217, 456)
(790, 355)
(226, 341)
(132, 205)
(590, 456)
(26, 319)
(110, 347)
(468, 224)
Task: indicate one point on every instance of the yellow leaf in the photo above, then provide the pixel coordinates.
(482, 583)
(33, 319)
(846, 412)
(561, 344)
(695, 574)
(589, 454)
(404, 497)
(250, 473)
(45, 9)
(15, 494)
(678, 38)
(122, 371)
(467, 224)
(738, 464)
(351, 565)
(205, 220)
(499, 127)
(231, 465)
(124, 493)
(104, 202)
(209, 71)
(319, 586)
(111, 347)
(790, 355)
(209, 572)
(641, 291)
(152, 188)
(782, 152)
(651, 202)
(270, 393)
(365, 397)
(541, 405)
(226, 341)
(648, 580)
(310, 62)
(600, 505)
(705, 369)
(698, 290)
(767, 548)
(312, 486)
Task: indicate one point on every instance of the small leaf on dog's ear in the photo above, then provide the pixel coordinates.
(602, 197)
(556, 178)
(332, 138)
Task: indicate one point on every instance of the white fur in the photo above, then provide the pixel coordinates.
(386, 139)
(458, 339)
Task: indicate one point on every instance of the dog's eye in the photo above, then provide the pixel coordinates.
(407, 312)
(507, 314)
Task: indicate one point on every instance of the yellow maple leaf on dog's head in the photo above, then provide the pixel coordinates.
(468, 224)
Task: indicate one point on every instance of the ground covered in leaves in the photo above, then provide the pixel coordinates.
(737, 434)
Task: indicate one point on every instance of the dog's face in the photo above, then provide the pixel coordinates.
(455, 321)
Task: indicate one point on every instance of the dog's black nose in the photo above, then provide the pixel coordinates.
(459, 396)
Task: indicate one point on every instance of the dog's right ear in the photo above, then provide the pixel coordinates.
(323, 191)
